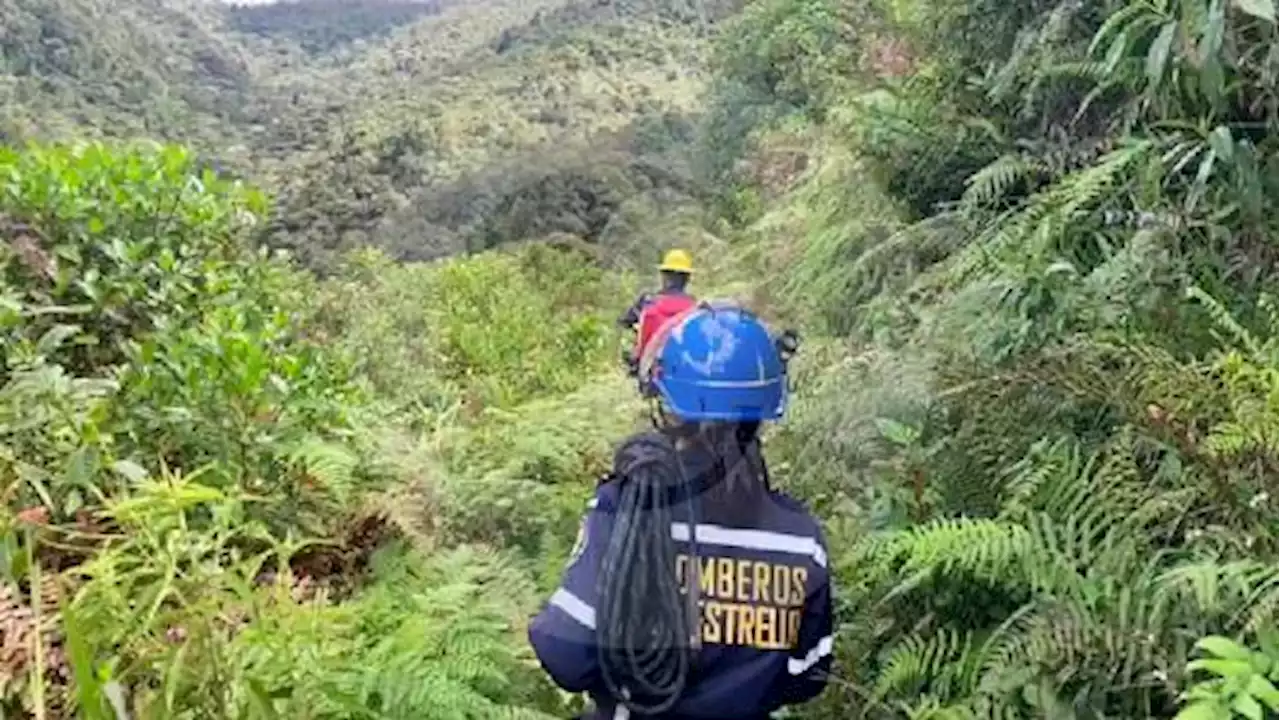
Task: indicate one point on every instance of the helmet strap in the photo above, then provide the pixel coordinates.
(664, 422)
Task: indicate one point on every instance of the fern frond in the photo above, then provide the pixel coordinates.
(1240, 589)
(993, 181)
(329, 466)
(944, 664)
(1046, 214)
(1226, 323)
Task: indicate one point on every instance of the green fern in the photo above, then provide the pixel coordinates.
(992, 182)
(428, 640)
(330, 466)
(944, 665)
(1032, 228)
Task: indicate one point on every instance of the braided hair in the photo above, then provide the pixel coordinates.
(648, 628)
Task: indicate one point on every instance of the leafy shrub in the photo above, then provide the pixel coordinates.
(186, 355)
(512, 346)
(235, 395)
(490, 330)
(118, 243)
(1244, 682)
(182, 351)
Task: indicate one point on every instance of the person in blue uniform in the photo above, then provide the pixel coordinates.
(695, 591)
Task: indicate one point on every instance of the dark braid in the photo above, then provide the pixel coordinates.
(739, 480)
(646, 629)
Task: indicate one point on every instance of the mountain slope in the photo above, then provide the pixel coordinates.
(392, 124)
(152, 67)
(535, 105)
(321, 26)
(538, 98)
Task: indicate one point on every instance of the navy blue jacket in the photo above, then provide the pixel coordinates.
(766, 614)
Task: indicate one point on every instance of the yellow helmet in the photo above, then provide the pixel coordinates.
(679, 261)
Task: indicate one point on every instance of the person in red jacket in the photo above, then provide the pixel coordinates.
(651, 311)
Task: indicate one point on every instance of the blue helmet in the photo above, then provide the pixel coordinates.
(719, 363)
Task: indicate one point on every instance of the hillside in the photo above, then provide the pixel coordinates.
(145, 68)
(322, 26)
(1031, 249)
(404, 105)
(547, 93)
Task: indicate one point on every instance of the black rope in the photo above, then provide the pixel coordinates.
(644, 624)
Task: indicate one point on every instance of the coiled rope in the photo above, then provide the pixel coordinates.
(646, 630)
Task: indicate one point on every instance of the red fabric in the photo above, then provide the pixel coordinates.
(657, 313)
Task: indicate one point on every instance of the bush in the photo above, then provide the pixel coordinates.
(182, 351)
(119, 244)
(157, 453)
(492, 330)
(1052, 473)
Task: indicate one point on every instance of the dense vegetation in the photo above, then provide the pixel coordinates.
(1032, 247)
(319, 26)
(1050, 468)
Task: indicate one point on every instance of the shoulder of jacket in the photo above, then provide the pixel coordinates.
(798, 509)
(606, 493)
(789, 503)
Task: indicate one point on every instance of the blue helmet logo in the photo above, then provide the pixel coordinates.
(720, 363)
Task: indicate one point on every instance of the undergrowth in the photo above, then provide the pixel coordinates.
(1042, 434)
(1031, 249)
(209, 511)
